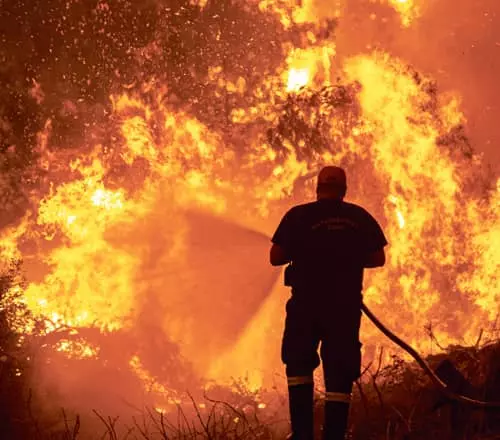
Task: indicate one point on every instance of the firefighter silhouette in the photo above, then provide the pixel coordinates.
(327, 244)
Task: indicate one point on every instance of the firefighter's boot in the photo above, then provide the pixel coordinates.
(336, 416)
(301, 402)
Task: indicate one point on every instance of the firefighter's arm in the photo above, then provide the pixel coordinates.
(278, 256)
(375, 258)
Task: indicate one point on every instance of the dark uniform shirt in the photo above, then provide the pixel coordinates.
(328, 241)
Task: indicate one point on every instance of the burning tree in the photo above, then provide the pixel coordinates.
(162, 142)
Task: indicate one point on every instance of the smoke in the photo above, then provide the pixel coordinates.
(456, 42)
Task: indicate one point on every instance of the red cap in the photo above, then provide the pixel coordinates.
(332, 176)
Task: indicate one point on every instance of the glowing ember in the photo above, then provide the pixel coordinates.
(106, 199)
(407, 9)
(77, 349)
(297, 79)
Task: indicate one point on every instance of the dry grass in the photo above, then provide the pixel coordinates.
(394, 402)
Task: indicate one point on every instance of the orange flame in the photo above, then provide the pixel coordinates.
(407, 9)
(107, 239)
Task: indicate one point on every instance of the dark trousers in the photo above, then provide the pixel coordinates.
(311, 321)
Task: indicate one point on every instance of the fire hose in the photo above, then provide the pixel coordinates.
(442, 386)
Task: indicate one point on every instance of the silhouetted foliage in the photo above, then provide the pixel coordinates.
(316, 120)
(14, 363)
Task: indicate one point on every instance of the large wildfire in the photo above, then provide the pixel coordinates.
(141, 216)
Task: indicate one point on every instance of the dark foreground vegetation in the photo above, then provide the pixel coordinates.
(391, 402)
(394, 402)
